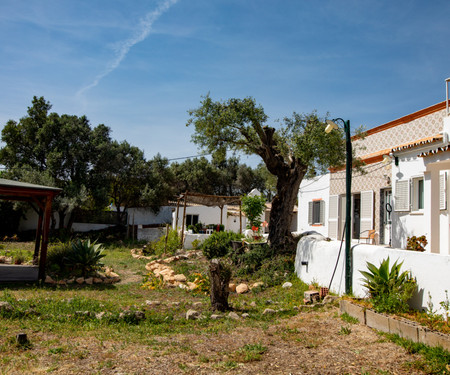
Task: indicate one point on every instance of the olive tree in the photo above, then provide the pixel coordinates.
(297, 146)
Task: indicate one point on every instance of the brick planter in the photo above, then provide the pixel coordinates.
(405, 328)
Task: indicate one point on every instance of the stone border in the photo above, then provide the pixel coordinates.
(405, 328)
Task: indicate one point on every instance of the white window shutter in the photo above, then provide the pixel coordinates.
(443, 191)
(367, 211)
(322, 212)
(333, 217)
(402, 196)
(310, 213)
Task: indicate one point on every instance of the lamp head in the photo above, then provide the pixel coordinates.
(331, 125)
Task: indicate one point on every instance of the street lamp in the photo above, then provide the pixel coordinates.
(348, 198)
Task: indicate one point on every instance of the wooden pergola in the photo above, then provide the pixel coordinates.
(42, 196)
(206, 200)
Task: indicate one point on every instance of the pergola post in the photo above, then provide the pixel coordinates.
(184, 219)
(46, 226)
(37, 244)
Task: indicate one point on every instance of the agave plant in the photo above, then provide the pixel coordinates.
(389, 289)
(85, 257)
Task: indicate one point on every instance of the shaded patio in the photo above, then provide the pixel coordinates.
(42, 196)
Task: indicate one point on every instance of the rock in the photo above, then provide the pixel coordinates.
(257, 284)
(191, 286)
(197, 304)
(329, 299)
(242, 288)
(97, 280)
(269, 302)
(113, 275)
(89, 280)
(287, 285)
(49, 280)
(174, 304)
(61, 282)
(180, 277)
(296, 308)
(183, 286)
(71, 281)
(245, 315)
(5, 306)
(79, 280)
(216, 316)
(233, 315)
(139, 315)
(152, 303)
(100, 315)
(192, 314)
(232, 287)
(269, 312)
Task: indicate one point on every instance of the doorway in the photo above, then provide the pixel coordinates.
(385, 216)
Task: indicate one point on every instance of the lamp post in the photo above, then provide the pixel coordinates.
(348, 198)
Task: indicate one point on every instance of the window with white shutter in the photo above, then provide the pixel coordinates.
(401, 196)
(316, 212)
(333, 216)
(366, 212)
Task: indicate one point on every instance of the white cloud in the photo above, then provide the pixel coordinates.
(122, 49)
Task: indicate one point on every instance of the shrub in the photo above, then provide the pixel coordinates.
(84, 257)
(172, 245)
(253, 207)
(389, 289)
(218, 244)
(416, 243)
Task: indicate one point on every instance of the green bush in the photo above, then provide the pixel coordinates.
(56, 258)
(253, 208)
(84, 258)
(218, 244)
(172, 245)
(389, 289)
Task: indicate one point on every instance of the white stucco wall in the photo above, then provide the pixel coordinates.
(310, 189)
(207, 215)
(432, 271)
(145, 216)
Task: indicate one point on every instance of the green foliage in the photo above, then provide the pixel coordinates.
(218, 244)
(253, 208)
(436, 359)
(172, 245)
(56, 258)
(85, 257)
(416, 243)
(389, 289)
(349, 319)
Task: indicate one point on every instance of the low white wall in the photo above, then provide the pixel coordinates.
(432, 271)
(150, 234)
(86, 227)
(145, 216)
(189, 238)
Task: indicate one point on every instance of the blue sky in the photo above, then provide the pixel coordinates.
(138, 66)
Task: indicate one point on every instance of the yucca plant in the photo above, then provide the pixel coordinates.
(85, 257)
(389, 288)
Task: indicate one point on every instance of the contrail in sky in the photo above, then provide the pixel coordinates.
(125, 46)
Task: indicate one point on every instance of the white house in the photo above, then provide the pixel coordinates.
(403, 192)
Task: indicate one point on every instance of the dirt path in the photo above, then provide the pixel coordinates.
(309, 343)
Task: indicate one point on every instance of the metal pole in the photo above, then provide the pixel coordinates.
(348, 213)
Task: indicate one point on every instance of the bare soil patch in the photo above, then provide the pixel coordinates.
(308, 343)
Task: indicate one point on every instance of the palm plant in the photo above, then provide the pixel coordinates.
(389, 289)
(85, 257)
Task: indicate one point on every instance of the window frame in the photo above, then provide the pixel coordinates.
(417, 194)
